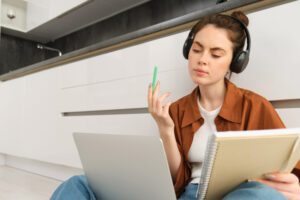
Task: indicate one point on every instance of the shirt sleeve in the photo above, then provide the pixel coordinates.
(184, 172)
(262, 115)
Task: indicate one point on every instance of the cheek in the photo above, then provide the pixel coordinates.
(225, 64)
(221, 67)
(192, 61)
(190, 64)
(191, 58)
(228, 63)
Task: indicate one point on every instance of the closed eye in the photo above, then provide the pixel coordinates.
(196, 50)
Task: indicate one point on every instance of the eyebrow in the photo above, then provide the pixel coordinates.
(214, 49)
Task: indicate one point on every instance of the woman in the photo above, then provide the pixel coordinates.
(215, 104)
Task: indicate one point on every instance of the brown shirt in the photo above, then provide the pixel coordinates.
(241, 110)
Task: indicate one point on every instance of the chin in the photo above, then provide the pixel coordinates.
(205, 81)
(201, 81)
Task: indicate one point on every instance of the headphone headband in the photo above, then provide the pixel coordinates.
(245, 29)
(240, 59)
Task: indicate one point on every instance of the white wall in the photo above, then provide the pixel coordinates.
(2, 159)
(30, 107)
(274, 62)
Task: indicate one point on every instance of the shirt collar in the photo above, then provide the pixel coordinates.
(231, 109)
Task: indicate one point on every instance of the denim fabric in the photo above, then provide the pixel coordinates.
(254, 191)
(247, 191)
(190, 192)
(75, 188)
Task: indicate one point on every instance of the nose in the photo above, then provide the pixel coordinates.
(203, 58)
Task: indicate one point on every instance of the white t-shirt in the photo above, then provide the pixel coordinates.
(197, 150)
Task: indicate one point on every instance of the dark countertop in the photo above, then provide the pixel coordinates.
(159, 30)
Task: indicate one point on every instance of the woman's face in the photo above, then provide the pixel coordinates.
(210, 56)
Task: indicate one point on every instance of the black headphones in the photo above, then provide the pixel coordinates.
(240, 59)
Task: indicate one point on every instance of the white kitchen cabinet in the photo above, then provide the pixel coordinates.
(31, 107)
(42, 11)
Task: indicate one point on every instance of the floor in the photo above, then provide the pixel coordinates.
(20, 185)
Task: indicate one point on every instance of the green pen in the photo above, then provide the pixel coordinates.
(154, 79)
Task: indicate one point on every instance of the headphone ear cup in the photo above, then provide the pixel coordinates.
(239, 61)
(186, 47)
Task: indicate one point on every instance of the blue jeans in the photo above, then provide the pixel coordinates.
(77, 188)
(190, 192)
(247, 191)
(74, 188)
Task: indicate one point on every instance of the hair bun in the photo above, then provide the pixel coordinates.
(241, 16)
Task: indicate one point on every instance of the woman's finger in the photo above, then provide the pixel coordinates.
(166, 107)
(160, 100)
(150, 97)
(290, 196)
(154, 96)
(282, 177)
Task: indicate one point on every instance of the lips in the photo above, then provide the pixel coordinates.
(200, 72)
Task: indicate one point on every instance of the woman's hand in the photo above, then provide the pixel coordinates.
(166, 128)
(286, 183)
(160, 113)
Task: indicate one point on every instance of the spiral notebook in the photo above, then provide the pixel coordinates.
(233, 157)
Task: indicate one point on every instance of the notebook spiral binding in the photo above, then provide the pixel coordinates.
(210, 153)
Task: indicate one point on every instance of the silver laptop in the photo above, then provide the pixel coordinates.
(125, 167)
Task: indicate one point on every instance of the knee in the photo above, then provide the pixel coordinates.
(77, 180)
(75, 187)
(75, 183)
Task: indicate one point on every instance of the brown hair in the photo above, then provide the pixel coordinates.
(235, 30)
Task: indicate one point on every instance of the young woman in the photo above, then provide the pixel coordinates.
(215, 104)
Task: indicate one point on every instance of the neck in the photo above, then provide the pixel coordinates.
(212, 96)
